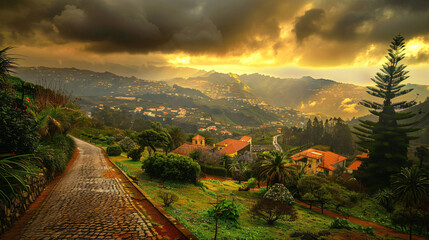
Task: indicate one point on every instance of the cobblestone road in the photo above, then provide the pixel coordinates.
(88, 203)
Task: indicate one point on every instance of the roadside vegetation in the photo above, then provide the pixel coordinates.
(35, 122)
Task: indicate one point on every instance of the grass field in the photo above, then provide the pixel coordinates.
(194, 201)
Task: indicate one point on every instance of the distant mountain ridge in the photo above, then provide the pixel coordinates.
(306, 94)
(316, 96)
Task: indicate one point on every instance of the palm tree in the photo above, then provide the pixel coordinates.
(6, 63)
(239, 169)
(177, 136)
(411, 187)
(275, 166)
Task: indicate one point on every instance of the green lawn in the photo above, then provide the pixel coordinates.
(194, 201)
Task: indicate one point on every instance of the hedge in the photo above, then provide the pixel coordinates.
(171, 167)
(214, 170)
(113, 150)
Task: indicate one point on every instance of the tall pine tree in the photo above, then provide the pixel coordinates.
(386, 140)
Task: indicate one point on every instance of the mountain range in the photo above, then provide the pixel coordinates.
(321, 97)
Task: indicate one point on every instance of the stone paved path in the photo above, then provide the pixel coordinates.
(89, 203)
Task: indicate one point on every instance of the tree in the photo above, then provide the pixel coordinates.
(411, 187)
(239, 169)
(274, 167)
(386, 199)
(422, 153)
(6, 64)
(177, 136)
(155, 137)
(271, 211)
(387, 140)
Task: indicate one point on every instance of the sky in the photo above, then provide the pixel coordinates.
(343, 40)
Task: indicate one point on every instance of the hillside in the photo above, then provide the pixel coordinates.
(316, 96)
(220, 97)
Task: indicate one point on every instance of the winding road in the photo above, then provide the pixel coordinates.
(89, 202)
(276, 144)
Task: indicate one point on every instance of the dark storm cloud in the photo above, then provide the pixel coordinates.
(309, 23)
(415, 5)
(214, 27)
(154, 25)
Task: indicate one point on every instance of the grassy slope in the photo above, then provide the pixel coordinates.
(194, 202)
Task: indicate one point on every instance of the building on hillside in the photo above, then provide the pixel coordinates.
(186, 148)
(225, 132)
(246, 139)
(319, 161)
(200, 140)
(198, 144)
(356, 162)
(233, 147)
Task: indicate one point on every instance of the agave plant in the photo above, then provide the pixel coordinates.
(13, 171)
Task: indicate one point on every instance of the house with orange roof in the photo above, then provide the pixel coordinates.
(198, 144)
(199, 140)
(225, 132)
(233, 147)
(319, 161)
(186, 148)
(246, 139)
(357, 162)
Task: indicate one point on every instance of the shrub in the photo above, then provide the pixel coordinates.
(340, 223)
(56, 154)
(127, 144)
(109, 140)
(119, 137)
(271, 210)
(14, 169)
(135, 154)
(367, 230)
(251, 183)
(171, 167)
(113, 150)
(167, 197)
(213, 170)
(18, 127)
(225, 210)
(278, 192)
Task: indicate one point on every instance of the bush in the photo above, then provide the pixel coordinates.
(251, 183)
(127, 144)
(167, 197)
(56, 154)
(213, 170)
(135, 154)
(113, 150)
(340, 223)
(278, 192)
(271, 210)
(367, 230)
(171, 167)
(225, 210)
(110, 140)
(18, 127)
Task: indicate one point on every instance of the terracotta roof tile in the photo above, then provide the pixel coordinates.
(198, 137)
(328, 158)
(186, 148)
(357, 161)
(246, 138)
(232, 145)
